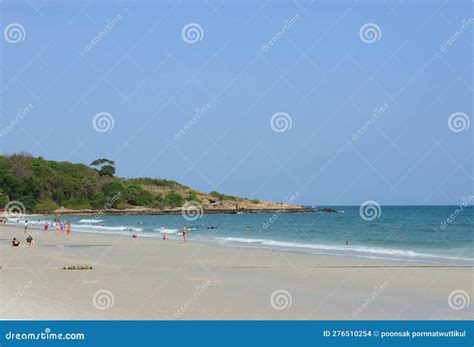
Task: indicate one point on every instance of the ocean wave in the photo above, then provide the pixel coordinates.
(105, 228)
(163, 230)
(238, 239)
(91, 221)
(360, 250)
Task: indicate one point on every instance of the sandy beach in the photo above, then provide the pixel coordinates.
(140, 278)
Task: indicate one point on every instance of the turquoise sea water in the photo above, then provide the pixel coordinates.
(413, 233)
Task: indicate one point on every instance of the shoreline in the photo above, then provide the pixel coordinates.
(352, 252)
(155, 279)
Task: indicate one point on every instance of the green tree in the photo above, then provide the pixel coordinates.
(106, 167)
(173, 199)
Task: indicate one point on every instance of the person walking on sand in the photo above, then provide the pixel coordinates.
(46, 226)
(185, 231)
(26, 227)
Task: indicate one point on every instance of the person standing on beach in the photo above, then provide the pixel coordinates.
(26, 227)
(185, 231)
(46, 226)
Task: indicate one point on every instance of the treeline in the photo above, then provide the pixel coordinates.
(45, 185)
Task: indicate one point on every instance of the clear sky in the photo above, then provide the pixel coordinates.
(323, 66)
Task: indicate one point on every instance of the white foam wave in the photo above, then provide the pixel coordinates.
(361, 250)
(90, 221)
(163, 230)
(238, 239)
(105, 228)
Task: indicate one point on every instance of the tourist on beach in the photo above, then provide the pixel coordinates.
(165, 236)
(26, 226)
(68, 228)
(46, 226)
(15, 242)
(185, 231)
(29, 241)
(58, 228)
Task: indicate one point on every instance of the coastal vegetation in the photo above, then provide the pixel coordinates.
(45, 186)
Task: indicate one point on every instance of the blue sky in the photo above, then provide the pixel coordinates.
(321, 72)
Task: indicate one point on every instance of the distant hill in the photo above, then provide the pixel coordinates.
(48, 186)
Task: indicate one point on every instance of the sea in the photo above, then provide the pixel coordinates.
(427, 234)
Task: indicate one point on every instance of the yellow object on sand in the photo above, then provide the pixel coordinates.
(78, 267)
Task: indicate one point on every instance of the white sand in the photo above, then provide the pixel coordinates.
(155, 279)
